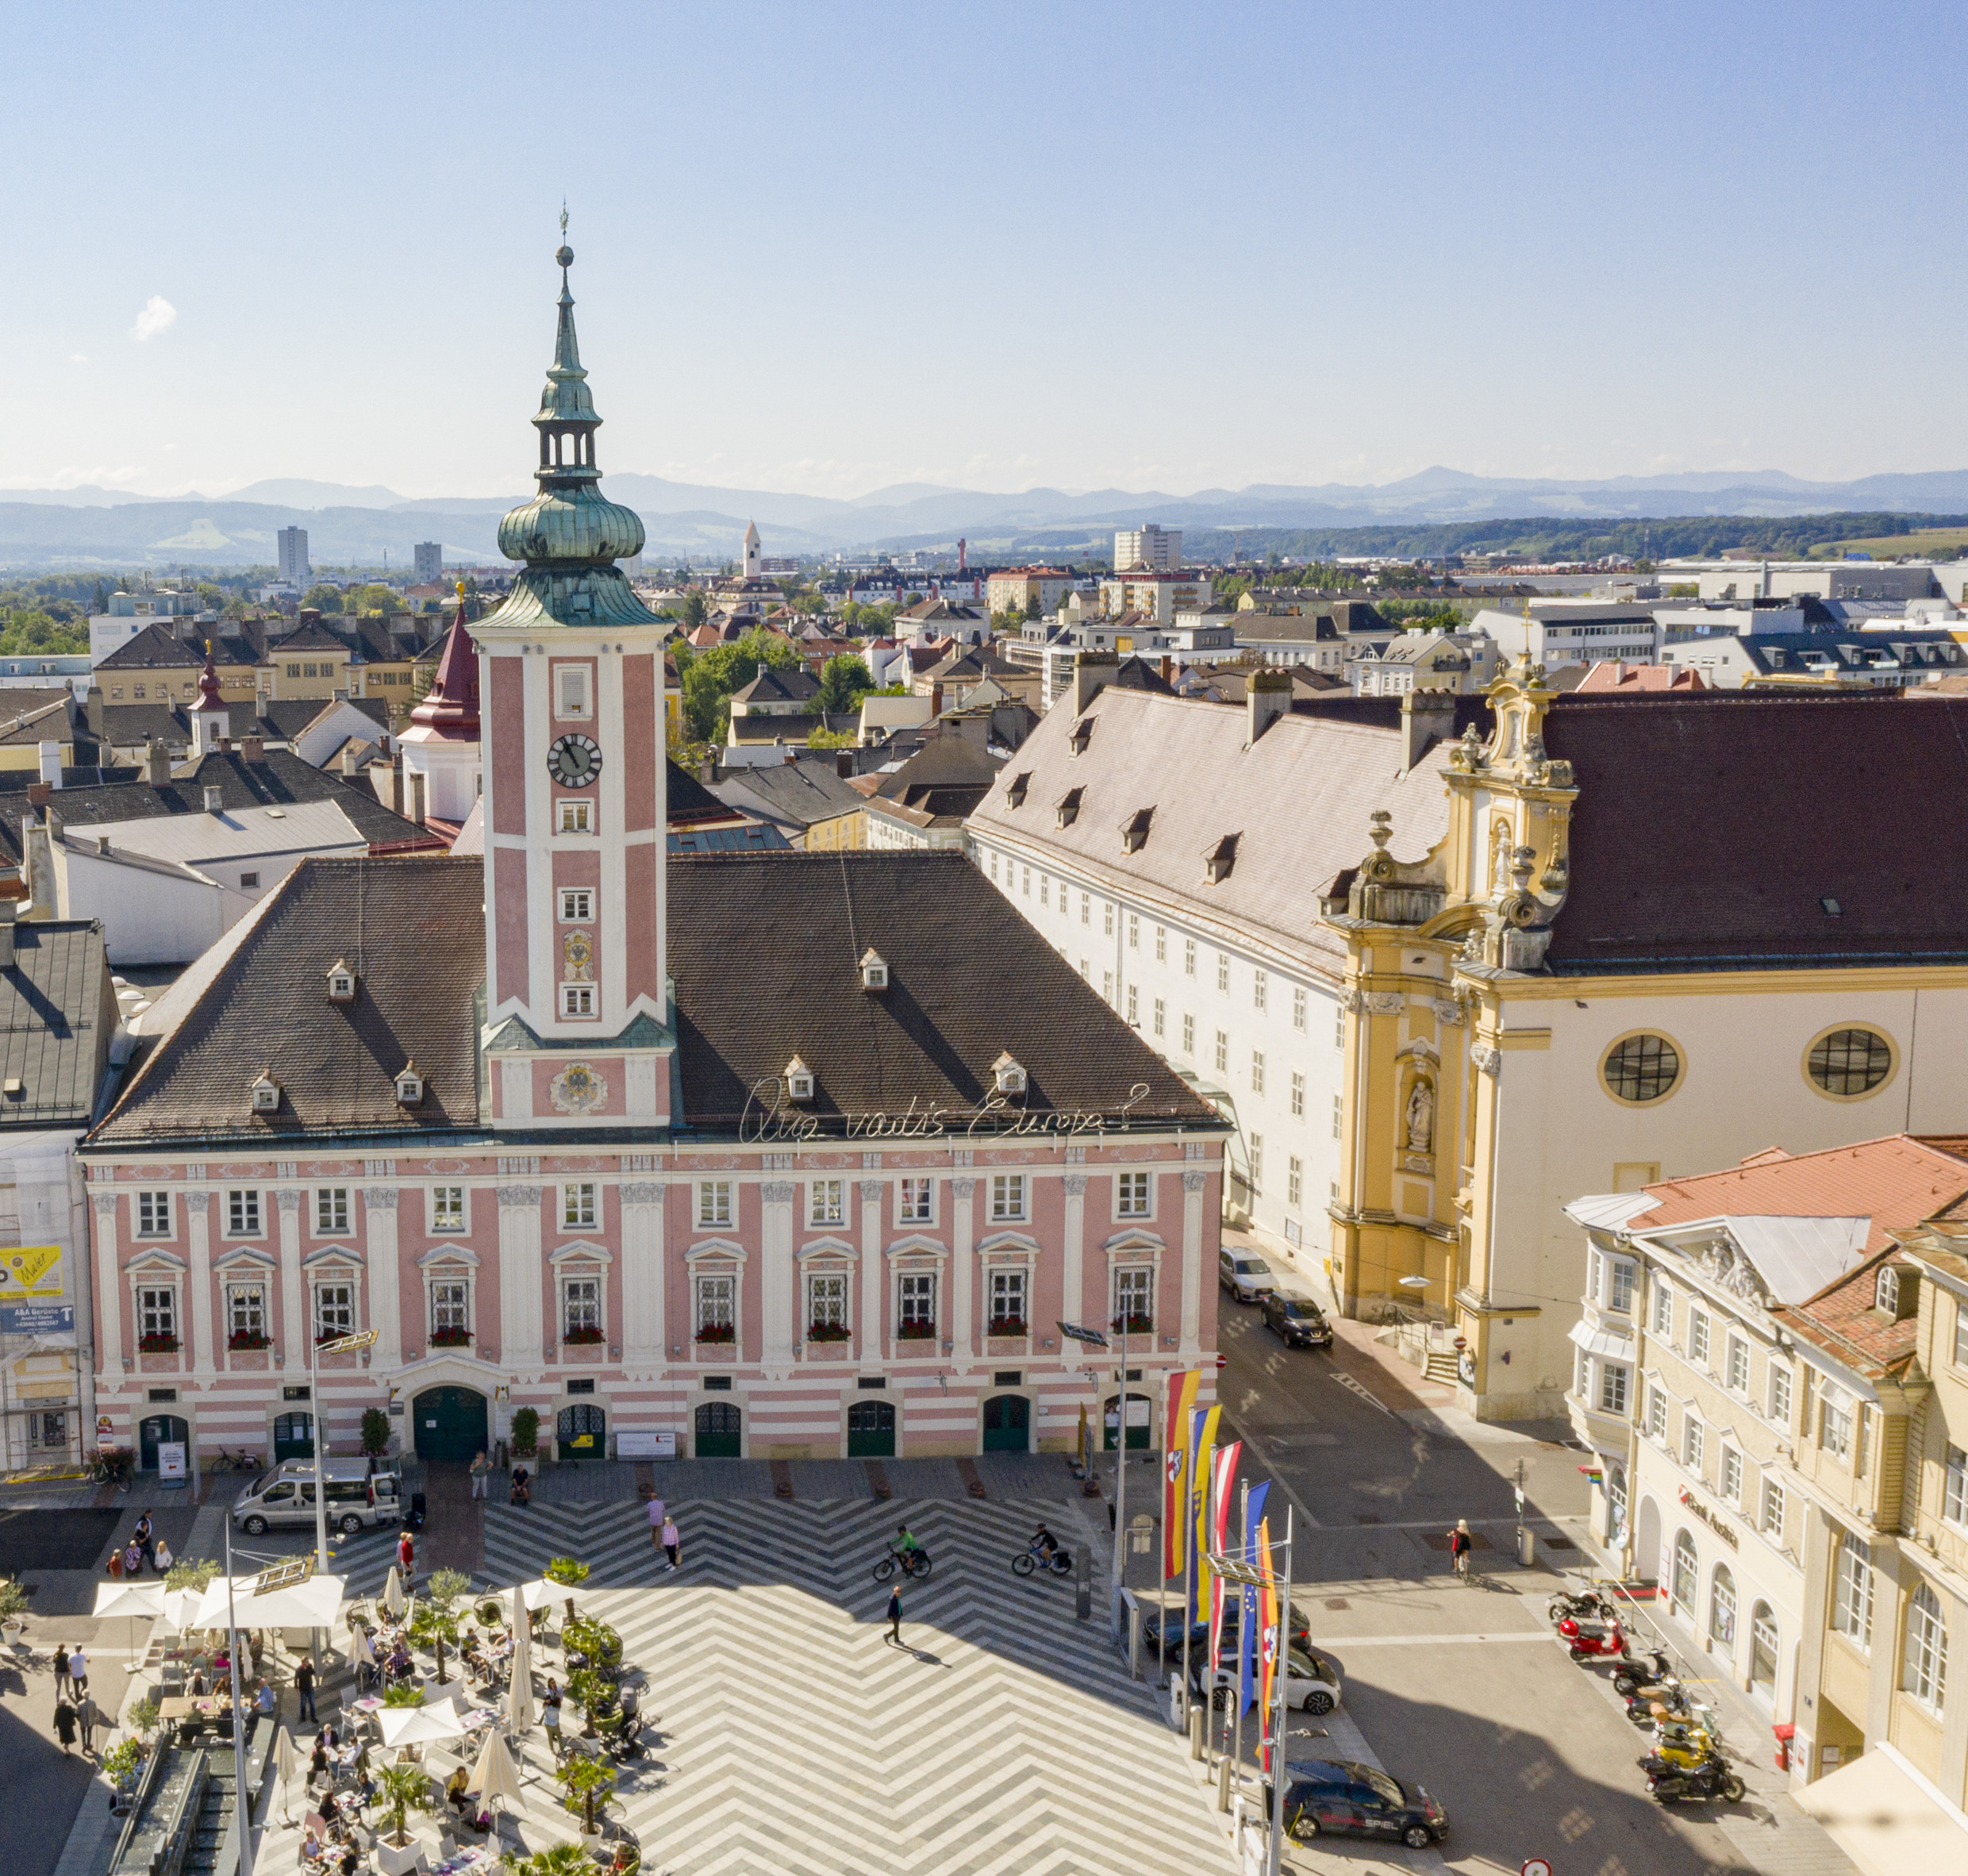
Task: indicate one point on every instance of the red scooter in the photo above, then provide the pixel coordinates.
(1589, 1640)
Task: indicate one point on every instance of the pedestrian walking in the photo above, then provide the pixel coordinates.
(61, 1670)
(64, 1723)
(894, 1617)
(161, 1559)
(550, 1715)
(133, 1559)
(1459, 1546)
(406, 1554)
(672, 1541)
(143, 1537)
(480, 1470)
(77, 1673)
(304, 1686)
(658, 1511)
(90, 1715)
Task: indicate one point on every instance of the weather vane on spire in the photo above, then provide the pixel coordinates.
(565, 256)
(563, 217)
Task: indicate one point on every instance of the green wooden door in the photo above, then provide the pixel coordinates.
(1140, 1423)
(718, 1429)
(451, 1424)
(582, 1433)
(1008, 1424)
(871, 1430)
(293, 1437)
(161, 1429)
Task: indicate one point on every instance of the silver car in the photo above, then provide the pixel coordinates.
(1245, 1274)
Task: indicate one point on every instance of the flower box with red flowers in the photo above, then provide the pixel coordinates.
(717, 1331)
(1008, 1328)
(915, 1332)
(249, 1339)
(582, 1337)
(829, 1331)
(1132, 1325)
(450, 1338)
(159, 1344)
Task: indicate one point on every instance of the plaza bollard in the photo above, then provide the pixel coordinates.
(1134, 1640)
(1083, 1585)
(1527, 1546)
(1198, 1731)
(1223, 1783)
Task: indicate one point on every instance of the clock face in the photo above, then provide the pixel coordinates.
(574, 761)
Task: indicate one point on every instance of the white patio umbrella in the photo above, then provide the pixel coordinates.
(286, 1762)
(541, 1592)
(419, 1726)
(519, 1694)
(393, 1597)
(313, 1603)
(130, 1600)
(181, 1607)
(365, 1649)
(495, 1778)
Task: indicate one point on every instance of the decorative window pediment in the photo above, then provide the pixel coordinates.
(915, 1244)
(245, 1260)
(344, 1255)
(580, 1251)
(157, 1263)
(828, 1247)
(452, 1254)
(1133, 1242)
(1003, 1241)
(708, 1250)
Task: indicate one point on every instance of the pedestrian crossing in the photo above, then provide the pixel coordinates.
(790, 1735)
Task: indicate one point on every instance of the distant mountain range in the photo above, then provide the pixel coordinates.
(43, 527)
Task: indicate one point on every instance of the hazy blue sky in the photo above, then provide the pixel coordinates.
(830, 247)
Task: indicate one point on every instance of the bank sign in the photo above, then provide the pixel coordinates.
(32, 1291)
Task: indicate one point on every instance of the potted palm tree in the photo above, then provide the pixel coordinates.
(585, 1781)
(14, 1606)
(401, 1790)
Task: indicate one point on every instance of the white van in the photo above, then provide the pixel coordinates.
(284, 1498)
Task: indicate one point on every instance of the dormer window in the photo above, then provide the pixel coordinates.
(409, 1085)
(267, 1094)
(1070, 806)
(341, 982)
(1008, 1074)
(1134, 832)
(1219, 859)
(873, 970)
(1080, 735)
(1015, 794)
(1892, 1291)
(799, 1081)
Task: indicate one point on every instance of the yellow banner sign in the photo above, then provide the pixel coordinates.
(30, 1269)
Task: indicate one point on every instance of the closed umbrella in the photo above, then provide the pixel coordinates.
(286, 1762)
(392, 1597)
(519, 1694)
(495, 1778)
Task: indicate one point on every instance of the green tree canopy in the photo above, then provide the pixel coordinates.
(845, 680)
(323, 598)
(692, 609)
(709, 678)
(25, 631)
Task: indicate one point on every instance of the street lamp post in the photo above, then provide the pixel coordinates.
(362, 1339)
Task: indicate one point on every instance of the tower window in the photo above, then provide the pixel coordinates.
(577, 1000)
(570, 691)
(577, 905)
(577, 818)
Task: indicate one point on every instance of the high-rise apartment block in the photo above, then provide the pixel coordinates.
(293, 555)
(430, 561)
(1153, 549)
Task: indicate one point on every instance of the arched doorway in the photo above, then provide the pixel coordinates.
(1141, 1422)
(1762, 1652)
(871, 1430)
(1646, 1541)
(293, 1437)
(451, 1424)
(1681, 1586)
(1722, 1614)
(581, 1432)
(1008, 1424)
(161, 1429)
(719, 1430)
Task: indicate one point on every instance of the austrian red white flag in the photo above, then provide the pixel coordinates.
(1222, 1478)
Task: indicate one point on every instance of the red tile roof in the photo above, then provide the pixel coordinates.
(1616, 675)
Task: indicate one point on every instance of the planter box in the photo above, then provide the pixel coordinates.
(393, 1862)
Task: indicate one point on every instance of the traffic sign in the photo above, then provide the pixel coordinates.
(1535, 1865)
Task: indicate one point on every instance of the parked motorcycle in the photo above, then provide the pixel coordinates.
(1584, 1605)
(1682, 1742)
(1648, 1704)
(1652, 1666)
(1590, 1641)
(1709, 1777)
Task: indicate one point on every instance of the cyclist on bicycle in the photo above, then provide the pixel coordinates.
(1043, 1543)
(905, 1540)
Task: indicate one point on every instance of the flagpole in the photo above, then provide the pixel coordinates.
(1189, 1558)
(1282, 1675)
(1243, 1644)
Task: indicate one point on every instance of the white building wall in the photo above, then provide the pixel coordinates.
(150, 917)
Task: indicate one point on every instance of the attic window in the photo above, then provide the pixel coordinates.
(409, 1086)
(1134, 832)
(873, 970)
(1832, 909)
(341, 982)
(1217, 862)
(1081, 734)
(1015, 795)
(267, 1094)
(1070, 806)
(799, 1081)
(1894, 1292)
(1009, 1075)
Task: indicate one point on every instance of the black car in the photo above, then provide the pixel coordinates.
(1298, 1319)
(1336, 1797)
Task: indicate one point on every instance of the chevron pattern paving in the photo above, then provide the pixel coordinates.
(789, 1736)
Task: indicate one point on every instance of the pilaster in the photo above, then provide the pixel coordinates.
(108, 1289)
(293, 1304)
(1073, 1279)
(386, 1293)
(873, 1210)
(963, 1263)
(776, 1281)
(1194, 1183)
(644, 1257)
(198, 1235)
(520, 1309)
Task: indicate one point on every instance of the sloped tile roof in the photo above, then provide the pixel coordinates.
(56, 1015)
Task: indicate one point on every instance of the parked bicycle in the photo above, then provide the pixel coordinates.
(233, 1462)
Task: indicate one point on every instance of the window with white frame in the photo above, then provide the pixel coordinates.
(577, 905)
(334, 1310)
(1851, 1590)
(1087, 908)
(1594, 1266)
(1257, 1163)
(1738, 1365)
(826, 1202)
(1297, 1095)
(713, 1201)
(581, 1308)
(1025, 884)
(576, 1205)
(1134, 931)
(1780, 1394)
(1134, 1006)
(1189, 1034)
(1008, 1303)
(1663, 1320)
(448, 1207)
(577, 818)
(1619, 1286)
(153, 1214)
(1339, 1025)
(1298, 1006)
(1106, 918)
(1657, 1413)
(913, 1198)
(1698, 1336)
(1339, 1115)
(827, 1303)
(1693, 1442)
(1732, 1475)
(1834, 1423)
(1007, 1196)
(1924, 1664)
(245, 1314)
(715, 1303)
(1161, 1016)
(1960, 1334)
(1134, 1300)
(1260, 989)
(577, 999)
(1955, 1487)
(242, 1213)
(1188, 957)
(1222, 972)
(1682, 1583)
(1107, 986)
(331, 1210)
(1161, 944)
(1257, 1071)
(1223, 1051)
(1861, 1430)
(1772, 1517)
(1613, 1378)
(450, 1307)
(1045, 890)
(156, 1312)
(570, 691)
(916, 1302)
(1131, 1195)
(1295, 1181)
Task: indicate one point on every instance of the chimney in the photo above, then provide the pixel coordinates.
(416, 796)
(215, 800)
(254, 748)
(225, 743)
(1092, 672)
(1168, 669)
(843, 763)
(156, 764)
(396, 783)
(9, 909)
(51, 764)
(1426, 717)
(1267, 696)
(936, 698)
(37, 794)
(348, 759)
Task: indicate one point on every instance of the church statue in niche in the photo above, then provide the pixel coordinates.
(1421, 1116)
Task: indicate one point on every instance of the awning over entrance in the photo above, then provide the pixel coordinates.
(1603, 1343)
(1880, 1816)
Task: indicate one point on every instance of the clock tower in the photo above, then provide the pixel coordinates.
(578, 1029)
